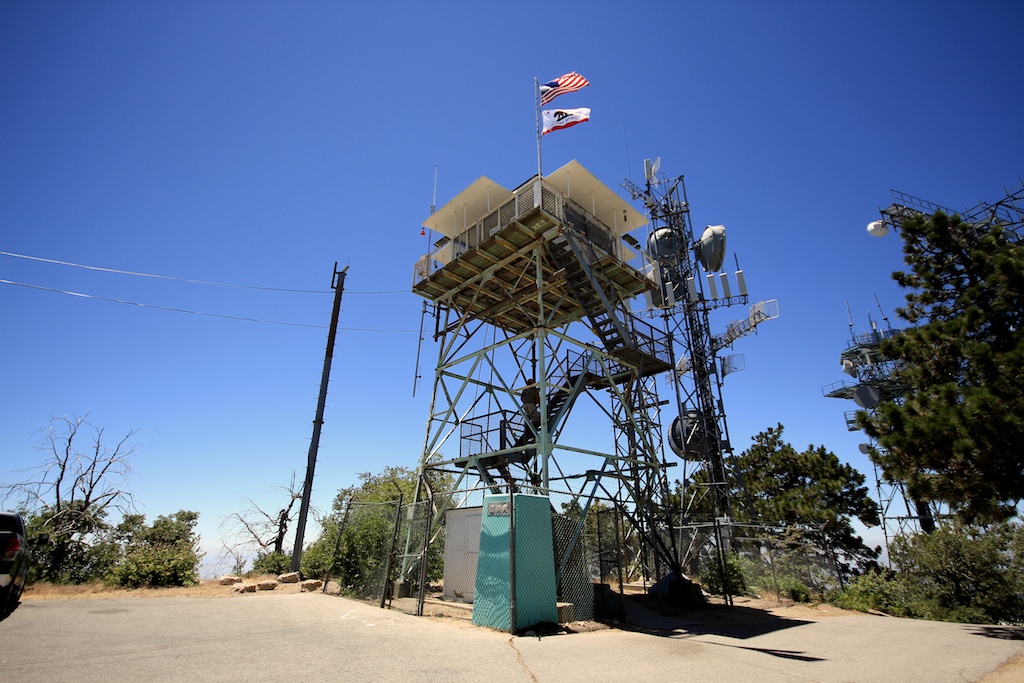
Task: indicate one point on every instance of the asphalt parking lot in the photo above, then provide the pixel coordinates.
(313, 637)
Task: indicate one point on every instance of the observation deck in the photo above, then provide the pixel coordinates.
(501, 255)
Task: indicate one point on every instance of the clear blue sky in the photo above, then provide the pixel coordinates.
(259, 142)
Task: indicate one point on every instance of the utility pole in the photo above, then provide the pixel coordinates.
(338, 284)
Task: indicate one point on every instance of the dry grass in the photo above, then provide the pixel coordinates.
(205, 589)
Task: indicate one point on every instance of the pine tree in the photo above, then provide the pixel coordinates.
(957, 435)
(810, 491)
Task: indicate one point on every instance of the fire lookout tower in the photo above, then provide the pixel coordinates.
(531, 291)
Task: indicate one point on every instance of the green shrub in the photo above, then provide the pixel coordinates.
(163, 554)
(711, 576)
(158, 567)
(875, 591)
(270, 563)
(794, 589)
(318, 557)
(963, 573)
(956, 573)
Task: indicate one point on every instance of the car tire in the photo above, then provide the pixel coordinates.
(15, 598)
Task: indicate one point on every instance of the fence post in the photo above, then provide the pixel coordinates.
(775, 576)
(617, 519)
(423, 556)
(385, 591)
(835, 564)
(512, 561)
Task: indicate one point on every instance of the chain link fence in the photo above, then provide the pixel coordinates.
(792, 566)
(422, 559)
(780, 564)
(585, 555)
(364, 550)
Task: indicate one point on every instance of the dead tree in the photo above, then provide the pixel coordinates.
(80, 484)
(258, 530)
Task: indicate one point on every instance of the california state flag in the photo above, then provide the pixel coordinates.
(557, 119)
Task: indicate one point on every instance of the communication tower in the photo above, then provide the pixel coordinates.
(876, 378)
(546, 378)
(689, 284)
(1007, 212)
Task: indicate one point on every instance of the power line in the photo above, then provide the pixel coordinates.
(161, 308)
(191, 312)
(182, 279)
(160, 277)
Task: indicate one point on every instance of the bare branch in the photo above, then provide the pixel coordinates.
(72, 487)
(254, 527)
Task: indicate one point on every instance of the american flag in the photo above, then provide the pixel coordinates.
(568, 83)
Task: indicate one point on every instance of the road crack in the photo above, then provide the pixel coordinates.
(522, 662)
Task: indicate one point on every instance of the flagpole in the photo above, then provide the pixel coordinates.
(536, 99)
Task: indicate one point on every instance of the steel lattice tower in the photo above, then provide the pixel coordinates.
(877, 377)
(690, 286)
(537, 283)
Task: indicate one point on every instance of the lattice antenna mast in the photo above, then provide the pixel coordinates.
(675, 267)
(699, 435)
(876, 378)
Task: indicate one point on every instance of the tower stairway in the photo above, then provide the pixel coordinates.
(559, 403)
(574, 255)
(499, 440)
(617, 329)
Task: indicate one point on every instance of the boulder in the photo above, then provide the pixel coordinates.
(227, 580)
(243, 588)
(267, 585)
(290, 577)
(310, 585)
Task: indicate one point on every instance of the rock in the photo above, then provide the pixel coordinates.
(310, 585)
(243, 588)
(267, 585)
(227, 580)
(291, 577)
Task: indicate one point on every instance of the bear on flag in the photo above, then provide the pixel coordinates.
(557, 119)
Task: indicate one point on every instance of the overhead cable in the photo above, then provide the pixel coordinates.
(182, 279)
(162, 308)
(184, 310)
(161, 277)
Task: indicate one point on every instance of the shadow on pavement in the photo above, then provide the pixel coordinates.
(733, 622)
(1000, 632)
(784, 654)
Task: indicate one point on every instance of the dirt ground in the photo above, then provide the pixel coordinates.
(791, 609)
(206, 589)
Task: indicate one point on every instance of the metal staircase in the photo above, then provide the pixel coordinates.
(580, 262)
(575, 256)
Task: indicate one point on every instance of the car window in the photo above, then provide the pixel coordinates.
(11, 523)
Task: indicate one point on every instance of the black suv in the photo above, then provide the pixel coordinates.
(13, 561)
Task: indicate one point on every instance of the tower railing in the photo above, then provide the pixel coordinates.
(649, 340)
(494, 432)
(522, 202)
